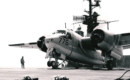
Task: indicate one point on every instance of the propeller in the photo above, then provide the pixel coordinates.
(97, 36)
(41, 43)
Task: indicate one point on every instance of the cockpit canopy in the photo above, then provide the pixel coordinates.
(60, 32)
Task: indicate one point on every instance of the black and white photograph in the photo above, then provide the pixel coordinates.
(64, 40)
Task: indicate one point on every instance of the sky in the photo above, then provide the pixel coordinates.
(23, 21)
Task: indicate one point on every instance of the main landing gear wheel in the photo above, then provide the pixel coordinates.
(49, 63)
(109, 65)
(53, 64)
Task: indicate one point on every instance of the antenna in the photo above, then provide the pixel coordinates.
(65, 25)
(108, 22)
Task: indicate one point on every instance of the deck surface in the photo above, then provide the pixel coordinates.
(49, 74)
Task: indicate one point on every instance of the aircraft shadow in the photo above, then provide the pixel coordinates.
(97, 69)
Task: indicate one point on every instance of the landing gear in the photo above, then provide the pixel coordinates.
(49, 63)
(53, 64)
(109, 64)
(109, 60)
(77, 66)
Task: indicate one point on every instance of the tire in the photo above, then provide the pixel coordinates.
(49, 63)
(54, 65)
(109, 65)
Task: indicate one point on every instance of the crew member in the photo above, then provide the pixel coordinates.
(22, 62)
(79, 31)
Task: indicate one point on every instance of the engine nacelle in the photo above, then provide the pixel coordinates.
(103, 40)
(41, 44)
(107, 42)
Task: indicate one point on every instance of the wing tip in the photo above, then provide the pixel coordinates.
(16, 44)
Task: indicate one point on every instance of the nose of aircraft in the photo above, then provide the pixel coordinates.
(41, 44)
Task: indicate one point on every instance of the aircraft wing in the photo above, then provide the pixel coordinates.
(125, 40)
(25, 45)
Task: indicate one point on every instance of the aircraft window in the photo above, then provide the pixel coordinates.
(61, 31)
(68, 35)
(81, 33)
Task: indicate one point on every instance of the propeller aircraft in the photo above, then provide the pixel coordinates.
(100, 48)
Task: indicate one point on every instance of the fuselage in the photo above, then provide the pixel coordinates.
(70, 46)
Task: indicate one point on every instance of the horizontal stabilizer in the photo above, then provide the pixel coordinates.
(126, 46)
(125, 40)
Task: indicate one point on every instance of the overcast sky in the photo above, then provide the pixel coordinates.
(23, 21)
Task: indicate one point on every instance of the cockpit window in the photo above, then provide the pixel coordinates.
(60, 32)
(68, 35)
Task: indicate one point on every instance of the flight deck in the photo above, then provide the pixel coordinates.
(72, 74)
